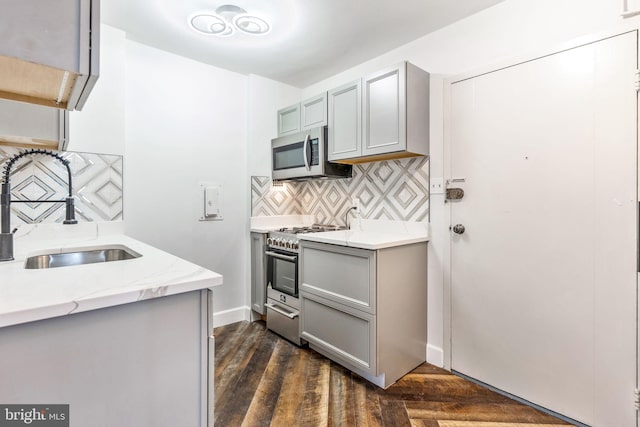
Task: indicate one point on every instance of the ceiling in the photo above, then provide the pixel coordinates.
(309, 39)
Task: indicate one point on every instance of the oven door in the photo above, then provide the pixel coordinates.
(282, 271)
(298, 155)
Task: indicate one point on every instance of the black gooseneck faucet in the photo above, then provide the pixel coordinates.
(6, 235)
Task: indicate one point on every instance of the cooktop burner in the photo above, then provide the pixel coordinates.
(315, 228)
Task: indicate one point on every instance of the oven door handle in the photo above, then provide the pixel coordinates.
(304, 148)
(290, 315)
(281, 256)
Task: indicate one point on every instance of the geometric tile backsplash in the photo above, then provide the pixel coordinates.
(393, 189)
(97, 186)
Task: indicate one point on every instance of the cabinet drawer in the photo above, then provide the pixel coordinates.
(341, 274)
(346, 335)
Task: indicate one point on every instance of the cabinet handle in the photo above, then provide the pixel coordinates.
(290, 315)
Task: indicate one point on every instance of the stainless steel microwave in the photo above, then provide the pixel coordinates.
(303, 155)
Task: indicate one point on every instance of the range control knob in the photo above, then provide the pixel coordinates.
(288, 244)
(295, 245)
(269, 241)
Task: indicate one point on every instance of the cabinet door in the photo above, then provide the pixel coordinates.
(258, 273)
(343, 333)
(384, 111)
(313, 112)
(289, 120)
(344, 122)
(341, 274)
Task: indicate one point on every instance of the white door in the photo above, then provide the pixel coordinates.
(543, 279)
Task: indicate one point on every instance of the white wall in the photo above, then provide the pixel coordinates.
(99, 126)
(509, 29)
(186, 123)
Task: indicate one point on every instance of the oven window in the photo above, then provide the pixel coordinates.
(289, 156)
(284, 276)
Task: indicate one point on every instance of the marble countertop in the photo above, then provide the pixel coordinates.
(29, 295)
(373, 234)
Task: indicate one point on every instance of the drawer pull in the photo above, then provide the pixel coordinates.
(290, 315)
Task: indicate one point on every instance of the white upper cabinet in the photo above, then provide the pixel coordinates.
(304, 115)
(289, 120)
(344, 131)
(313, 112)
(390, 121)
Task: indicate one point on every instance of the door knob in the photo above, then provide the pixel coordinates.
(458, 228)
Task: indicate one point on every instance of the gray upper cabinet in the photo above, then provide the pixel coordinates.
(313, 112)
(289, 120)
(50, 51)
(393, 117)
(384, 109)
(344, 124)
(304, 115)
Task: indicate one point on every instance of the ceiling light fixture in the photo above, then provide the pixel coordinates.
(226, 20)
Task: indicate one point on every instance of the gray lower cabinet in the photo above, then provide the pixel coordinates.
(258, 272)
(365, 309)
(148, 363)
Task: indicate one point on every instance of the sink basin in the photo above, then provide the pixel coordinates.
(80, 257)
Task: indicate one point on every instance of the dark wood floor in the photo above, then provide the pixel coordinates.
(263, 380)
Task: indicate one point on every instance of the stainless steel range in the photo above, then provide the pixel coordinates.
(283, 305)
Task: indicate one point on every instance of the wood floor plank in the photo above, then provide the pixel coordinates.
(492, 424)
(341, 398)
(367, 403)
(289, 405)
(264, 380)
(394, 413)
(239, 397)
(261, 409)
(230, 356)
(424, 423)
(315, 403)
(505, 413)
(227, 338)
(442, 388)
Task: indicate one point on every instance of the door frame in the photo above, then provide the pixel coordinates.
(447, 86)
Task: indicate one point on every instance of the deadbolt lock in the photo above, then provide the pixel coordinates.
(455, 193)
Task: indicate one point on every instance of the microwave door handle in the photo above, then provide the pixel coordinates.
(281, 256)
(304, 148)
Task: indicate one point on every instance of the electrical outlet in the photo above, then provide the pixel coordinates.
(436, 186)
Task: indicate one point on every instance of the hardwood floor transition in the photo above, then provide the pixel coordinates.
(264, 380)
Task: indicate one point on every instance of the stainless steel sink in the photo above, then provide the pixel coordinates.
(80, 257)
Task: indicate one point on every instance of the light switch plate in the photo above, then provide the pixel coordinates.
(436, 186)
(212, 202)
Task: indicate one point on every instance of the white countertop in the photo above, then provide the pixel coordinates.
(28, 295)
(373, 234)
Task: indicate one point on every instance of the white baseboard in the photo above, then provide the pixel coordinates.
(238, 314)
(435, 356)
